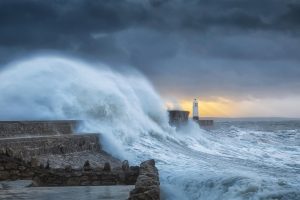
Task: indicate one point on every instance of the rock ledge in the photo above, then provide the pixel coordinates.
(147, 184)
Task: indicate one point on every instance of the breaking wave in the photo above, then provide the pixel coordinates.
(228, 162)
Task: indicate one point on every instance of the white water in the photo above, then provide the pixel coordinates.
(233, 163)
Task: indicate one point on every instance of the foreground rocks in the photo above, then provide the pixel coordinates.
(147, 184)
(145, 177)
(50, 154)
(14, 168)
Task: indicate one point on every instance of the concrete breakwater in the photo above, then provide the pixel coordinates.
(13, 167)
(58, 157)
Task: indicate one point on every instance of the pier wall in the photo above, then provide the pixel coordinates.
(205, 122)
(35, 146)
(179, 118)
(10, 129)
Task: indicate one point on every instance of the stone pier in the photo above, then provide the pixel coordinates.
(50, 154)
(178, 118)
(9, 129)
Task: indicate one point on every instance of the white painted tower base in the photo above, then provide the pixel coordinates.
(195, 110)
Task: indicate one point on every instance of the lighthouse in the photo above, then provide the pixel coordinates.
(195, 110)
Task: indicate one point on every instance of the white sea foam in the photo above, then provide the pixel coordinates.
(230, 162)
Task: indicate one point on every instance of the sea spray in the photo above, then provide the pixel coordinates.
(230, 161)
(119, 106)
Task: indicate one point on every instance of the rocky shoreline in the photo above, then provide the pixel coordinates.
(66, 159)
(14, 168)
(147, 184)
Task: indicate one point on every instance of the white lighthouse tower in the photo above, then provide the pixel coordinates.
(195, 110)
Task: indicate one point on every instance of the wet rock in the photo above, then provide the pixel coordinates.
(11, 166)
(42, 166)
(9, 152)
(107, 167)
(61, 148)
(21, 168)
(85, 183)
(34, 162)
(74, 181)
(87, 166)
(20, 156)
(147, 185)
(134, 168)
(47, 165)
(68, 168)
(4, 175)
(13, 169)
(125, 165)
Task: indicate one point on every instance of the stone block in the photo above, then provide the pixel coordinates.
(147, 184)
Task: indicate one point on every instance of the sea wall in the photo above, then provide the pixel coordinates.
(53, 156)
(36, 128)
(94, 176)
(14, 168)
(62, 144)
(147, 184)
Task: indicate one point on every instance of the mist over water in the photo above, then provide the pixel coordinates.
(232, 161)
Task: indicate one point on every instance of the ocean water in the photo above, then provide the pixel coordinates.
(233, 160)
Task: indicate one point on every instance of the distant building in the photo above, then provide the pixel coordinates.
(178, 118)
(195, 110)
(201, 122)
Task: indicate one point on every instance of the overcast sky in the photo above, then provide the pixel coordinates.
(238, 50)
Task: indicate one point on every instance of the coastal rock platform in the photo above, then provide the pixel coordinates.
(50, 153)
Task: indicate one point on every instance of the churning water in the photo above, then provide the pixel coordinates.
(233, 160)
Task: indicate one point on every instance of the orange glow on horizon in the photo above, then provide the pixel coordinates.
(218, 108)
(251, 107)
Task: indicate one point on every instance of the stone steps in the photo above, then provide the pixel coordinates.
(10, 129)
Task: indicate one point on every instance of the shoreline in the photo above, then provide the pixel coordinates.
(56, 160)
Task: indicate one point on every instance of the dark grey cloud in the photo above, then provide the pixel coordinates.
(236, 48)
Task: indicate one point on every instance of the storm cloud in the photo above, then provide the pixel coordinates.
(232, 48)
